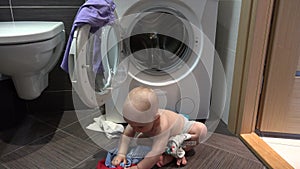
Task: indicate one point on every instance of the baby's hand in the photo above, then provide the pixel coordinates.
(118, 159)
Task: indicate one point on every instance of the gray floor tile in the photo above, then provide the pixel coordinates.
(97, 138)
(74, 146)
(78, 128)
(63, 118)
(208, 157)
(222, 129)
(92, 161)
(2, 167)
(57, 151)
(57, 119)
(28, 131)
(231, 144)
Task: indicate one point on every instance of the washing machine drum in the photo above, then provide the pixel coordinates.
(160, 41)
(153, 51)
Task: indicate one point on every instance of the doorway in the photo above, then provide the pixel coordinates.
(257, 36)
(279, 110)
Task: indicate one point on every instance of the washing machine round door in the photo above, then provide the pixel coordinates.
(163, 46)
(94, 63)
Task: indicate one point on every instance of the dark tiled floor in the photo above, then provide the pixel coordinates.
(60, 140)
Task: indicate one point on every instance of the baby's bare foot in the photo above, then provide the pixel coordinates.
(164, 160)
(182, 161)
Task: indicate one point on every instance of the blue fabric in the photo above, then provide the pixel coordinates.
(96, 13)
(135, 155)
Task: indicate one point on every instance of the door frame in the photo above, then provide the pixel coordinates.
(252, 43)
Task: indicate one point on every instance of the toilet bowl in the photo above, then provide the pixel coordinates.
(28, 52)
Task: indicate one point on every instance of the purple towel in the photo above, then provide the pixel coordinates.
(96, 13)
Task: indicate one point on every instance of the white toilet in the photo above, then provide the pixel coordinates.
(28, 52)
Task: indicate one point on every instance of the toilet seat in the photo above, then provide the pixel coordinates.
(29, 51)
(28, 32)
(31, 48)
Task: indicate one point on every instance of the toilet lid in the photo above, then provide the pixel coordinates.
(28, 31)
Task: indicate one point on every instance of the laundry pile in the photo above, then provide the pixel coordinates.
(133, 157)
(137, 153)
(111, 129)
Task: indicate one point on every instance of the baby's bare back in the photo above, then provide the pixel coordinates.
(173, 122)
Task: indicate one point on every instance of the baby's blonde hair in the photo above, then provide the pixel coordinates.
(143, 102)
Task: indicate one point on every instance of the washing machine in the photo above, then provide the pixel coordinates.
(167, 45)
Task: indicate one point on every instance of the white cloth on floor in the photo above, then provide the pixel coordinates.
(111, 129)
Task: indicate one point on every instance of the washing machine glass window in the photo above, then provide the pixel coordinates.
(158, 41)
(104, 60)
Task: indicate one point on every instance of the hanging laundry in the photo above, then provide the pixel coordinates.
(96, 13)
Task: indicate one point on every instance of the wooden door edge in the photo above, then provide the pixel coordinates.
(245, 27)
(264, 152)
(253, 37)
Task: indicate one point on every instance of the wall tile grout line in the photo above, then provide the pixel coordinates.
(43, 7)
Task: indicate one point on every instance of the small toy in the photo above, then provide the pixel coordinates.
(176, 144)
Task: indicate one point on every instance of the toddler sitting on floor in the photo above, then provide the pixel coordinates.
(144, 118)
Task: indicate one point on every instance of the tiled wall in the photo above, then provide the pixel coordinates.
(58, 95)
(226, 40)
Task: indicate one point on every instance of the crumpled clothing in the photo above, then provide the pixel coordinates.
(101, 165)
(96, 13)
(135, 155)
(111, 129)
(175, 145)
